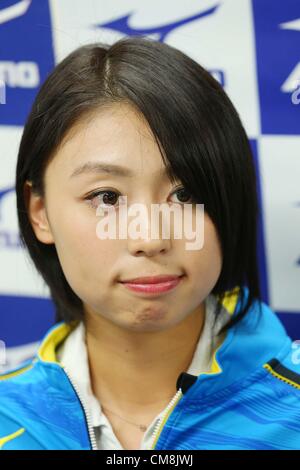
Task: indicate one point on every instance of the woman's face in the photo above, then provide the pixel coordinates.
(92, 266)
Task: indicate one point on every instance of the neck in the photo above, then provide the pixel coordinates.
(132, 370)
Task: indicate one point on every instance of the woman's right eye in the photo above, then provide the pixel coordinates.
(107, 199)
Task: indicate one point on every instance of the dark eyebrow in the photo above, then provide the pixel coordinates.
(108, 168)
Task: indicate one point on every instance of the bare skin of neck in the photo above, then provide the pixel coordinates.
(134, 373)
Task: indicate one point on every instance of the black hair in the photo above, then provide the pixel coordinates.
(199, 133)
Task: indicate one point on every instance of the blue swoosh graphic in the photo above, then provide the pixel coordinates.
(121, 25)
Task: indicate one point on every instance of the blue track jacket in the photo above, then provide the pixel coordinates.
(250, 399)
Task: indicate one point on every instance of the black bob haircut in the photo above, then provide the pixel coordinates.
(197, 129)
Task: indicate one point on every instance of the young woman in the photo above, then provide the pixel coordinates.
(155, 346)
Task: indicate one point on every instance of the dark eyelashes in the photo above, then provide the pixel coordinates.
(94, 194)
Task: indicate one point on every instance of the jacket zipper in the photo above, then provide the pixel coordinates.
(90, 428)
(157, 430)
(162, 421)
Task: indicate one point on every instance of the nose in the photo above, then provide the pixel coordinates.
(149, 247)
(152, 244)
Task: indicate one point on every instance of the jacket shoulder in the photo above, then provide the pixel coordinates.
(16, 372)
(15, 393)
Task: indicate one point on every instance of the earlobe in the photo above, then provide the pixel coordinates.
(37, 214)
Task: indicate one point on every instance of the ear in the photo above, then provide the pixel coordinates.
(37, 214)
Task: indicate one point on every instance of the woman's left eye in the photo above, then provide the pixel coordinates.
(184, 194)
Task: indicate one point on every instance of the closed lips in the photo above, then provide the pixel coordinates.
(152, 279)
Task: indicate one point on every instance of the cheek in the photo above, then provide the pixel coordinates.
(205, 265)
(212, 249)
(83, 256)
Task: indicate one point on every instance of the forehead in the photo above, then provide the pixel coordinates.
(115, 141)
